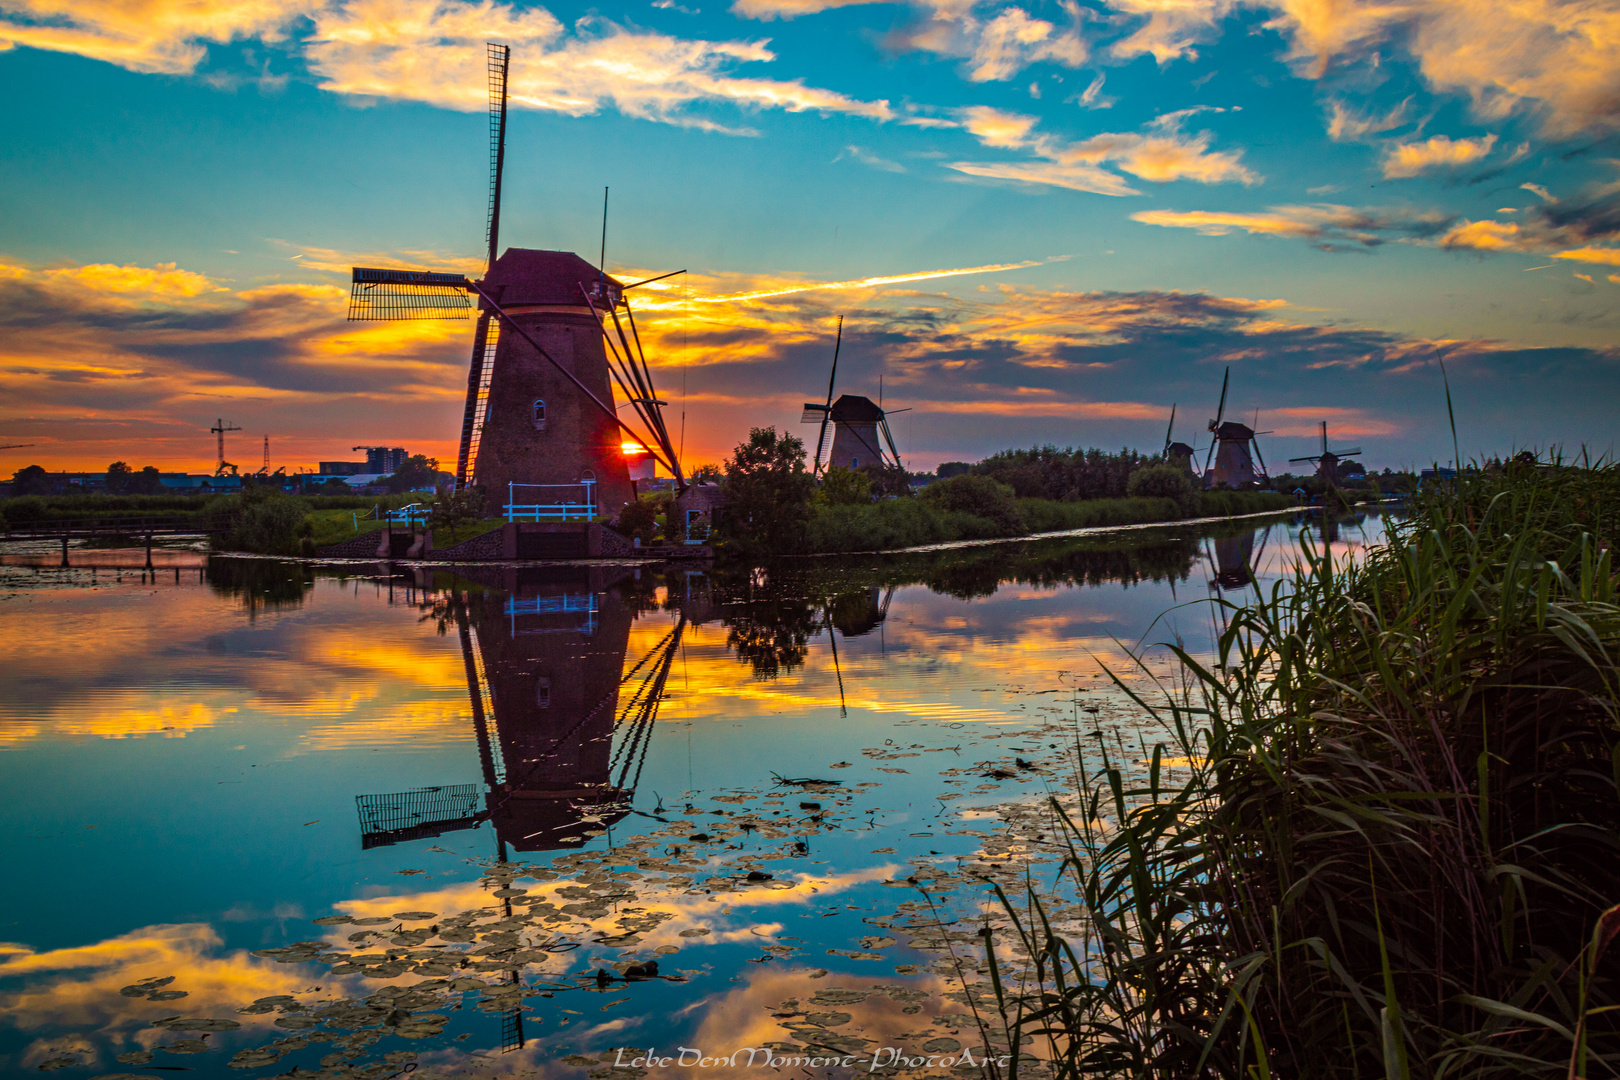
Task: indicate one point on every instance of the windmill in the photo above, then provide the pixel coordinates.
(1230, 449)
(857, 423)
(539, 427)
(1327, 462)
(1177, 453)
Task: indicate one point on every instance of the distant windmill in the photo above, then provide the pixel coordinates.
(539, 410)
(1232, 448)
(857, 423)
(1177, 453)
(1327, 462)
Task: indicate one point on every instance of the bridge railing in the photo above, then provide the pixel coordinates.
(558, 507)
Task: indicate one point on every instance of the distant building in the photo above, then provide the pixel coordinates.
(382, 460)
(185, 484)
(342, 468)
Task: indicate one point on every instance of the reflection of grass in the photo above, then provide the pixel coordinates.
(1398, 853)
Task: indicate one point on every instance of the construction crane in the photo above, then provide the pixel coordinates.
(220, 428)
(264, 470)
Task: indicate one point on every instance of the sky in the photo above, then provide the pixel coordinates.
(1041, 221)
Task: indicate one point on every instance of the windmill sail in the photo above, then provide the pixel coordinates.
(388, 295)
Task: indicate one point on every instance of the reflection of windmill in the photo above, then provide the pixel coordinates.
(853, 614)
(856, 423)
(1177, 453)
(1230, 449)
(539, 409)
(560, 752)
(1327, 462)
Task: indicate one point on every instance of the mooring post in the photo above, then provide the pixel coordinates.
(64, 549)
(149, 549)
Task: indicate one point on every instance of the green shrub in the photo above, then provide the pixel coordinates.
(980, 496)
(1164, 481)
(767, 494)
(262, 521)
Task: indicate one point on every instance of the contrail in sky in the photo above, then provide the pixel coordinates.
(863, 283)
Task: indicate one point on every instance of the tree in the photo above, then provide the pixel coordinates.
(146, 482)
(845, 487)
(949, 469)
(418, 473)
(32, 480)
(454, 509)
(767, 493)
(260, 520)
(118, 474)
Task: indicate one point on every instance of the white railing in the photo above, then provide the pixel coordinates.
(582, 509)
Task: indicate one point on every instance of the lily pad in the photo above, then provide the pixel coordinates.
(415, 916)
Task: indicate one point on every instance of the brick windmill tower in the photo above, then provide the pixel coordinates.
(1233, 449)
(539, 434)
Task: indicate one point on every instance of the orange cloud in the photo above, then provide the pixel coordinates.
(1603, 255)
(1438, 151)
(160, 36)
(432, 51)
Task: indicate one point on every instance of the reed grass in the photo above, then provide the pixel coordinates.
(1395, 851)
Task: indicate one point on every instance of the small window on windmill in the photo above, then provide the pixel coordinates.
(542, 693)
(539, 415)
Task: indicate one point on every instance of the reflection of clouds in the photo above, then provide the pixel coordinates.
(364, 670)
(79, 986)
(684, 911)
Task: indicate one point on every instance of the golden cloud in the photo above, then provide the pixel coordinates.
(432, 51)
(160, 36)
(1603, 255)
(1438, 151)
(1161, 153)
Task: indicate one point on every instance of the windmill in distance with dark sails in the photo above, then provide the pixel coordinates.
(1233, 449)
(1327, 462)
(539, 429)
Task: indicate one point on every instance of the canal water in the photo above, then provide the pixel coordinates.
(559, 821)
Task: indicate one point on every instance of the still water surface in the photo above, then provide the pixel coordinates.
(262, 817)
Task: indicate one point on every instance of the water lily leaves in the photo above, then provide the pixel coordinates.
(52, 1064)
(509, 892)
(203, 1024)
(295, 1022)
(333, 920)
(696, 931)
(834, 995)
(134, 1057)
(146, 987)
(415, 916)
(185, 1046)
(167, 995)
(941, 1046)
(255, 1058)
(828, 1019)
(421, 1027)
(876, 942)
(372, 920)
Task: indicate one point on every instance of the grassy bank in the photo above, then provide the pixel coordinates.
(1393, 848)
(909, 522)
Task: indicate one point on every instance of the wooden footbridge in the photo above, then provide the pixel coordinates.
(113, 527)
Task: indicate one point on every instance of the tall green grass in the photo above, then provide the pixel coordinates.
(1394, 847)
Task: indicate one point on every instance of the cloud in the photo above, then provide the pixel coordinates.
(1603, 256)
(993, 48)
(1567, 229)
(1347, 124)
(1160, 153)
(431, 51)
(1328, 225)
(158, 36)
(789, 9)
(1438, 151)
(866, 157)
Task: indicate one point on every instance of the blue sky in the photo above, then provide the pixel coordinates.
(1325, 198)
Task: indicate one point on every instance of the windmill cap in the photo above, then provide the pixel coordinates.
(531, 276)
(1232, 431)
(852, 408)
